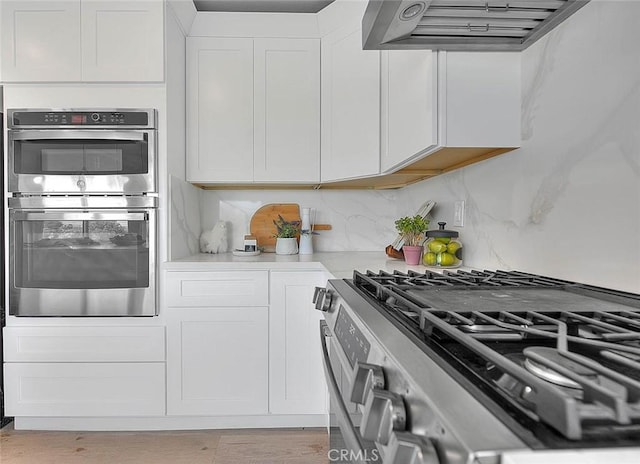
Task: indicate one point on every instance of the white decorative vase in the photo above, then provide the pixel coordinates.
(286, 246)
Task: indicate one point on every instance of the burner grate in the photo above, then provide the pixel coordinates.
(589, 330)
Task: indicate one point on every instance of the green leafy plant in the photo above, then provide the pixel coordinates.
(412, 229)
(286, 229)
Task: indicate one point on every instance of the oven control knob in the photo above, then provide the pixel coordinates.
(383, 414)
(95, 117)
(407, 448)
(81, 184)
(322, 298)
(366, 378)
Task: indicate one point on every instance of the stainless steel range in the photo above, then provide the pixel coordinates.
(483, 366)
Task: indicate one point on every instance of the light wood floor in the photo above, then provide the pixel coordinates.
(242, 446)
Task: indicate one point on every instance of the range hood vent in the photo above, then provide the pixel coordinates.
(466, 25)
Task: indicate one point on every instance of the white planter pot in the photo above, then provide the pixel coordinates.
(286, 246)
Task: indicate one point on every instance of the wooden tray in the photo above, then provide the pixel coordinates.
(263, 228)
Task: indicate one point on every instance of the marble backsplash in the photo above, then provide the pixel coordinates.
(360, 220)
(566, 204)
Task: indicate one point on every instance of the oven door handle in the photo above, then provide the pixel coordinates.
(77, 216)
(79, 135)
(350, 435)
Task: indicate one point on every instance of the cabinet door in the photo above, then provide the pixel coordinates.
(40, 40)
(217, 361)
(122, 40)
(217, 288)
(409, 105)
(84, 389)
(297, 384)
(350, 130)
(219, 110)
(287, 110)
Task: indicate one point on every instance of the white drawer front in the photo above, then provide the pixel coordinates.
(234, 288)
(81, 344)
(83, 389)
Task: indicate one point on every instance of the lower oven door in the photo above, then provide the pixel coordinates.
(82, 262)
(345, 443)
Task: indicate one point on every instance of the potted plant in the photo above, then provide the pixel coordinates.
(412, 230)
(286, 236)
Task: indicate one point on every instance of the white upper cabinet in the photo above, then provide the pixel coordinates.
(82, 40)
(253, 110)
(40, 40)
(219, 109)
(287, 110)
(350, 107)
(408, 115)
(122, 40)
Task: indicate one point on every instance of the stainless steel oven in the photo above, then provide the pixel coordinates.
(346, 444)
(88, 151)
(82, 256)
(483, 367)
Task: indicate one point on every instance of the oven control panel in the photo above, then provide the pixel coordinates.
(85, 118)
(355, 346)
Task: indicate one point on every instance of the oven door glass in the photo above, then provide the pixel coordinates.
(81, 161)
(79, 256)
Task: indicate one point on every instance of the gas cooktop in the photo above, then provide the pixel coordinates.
(560, 357)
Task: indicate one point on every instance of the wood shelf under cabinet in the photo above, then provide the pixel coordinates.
(440, 162)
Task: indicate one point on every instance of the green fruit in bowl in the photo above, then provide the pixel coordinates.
(430, 259)
(437, 247)
(444, 240)
(446, 259)
(453, 247)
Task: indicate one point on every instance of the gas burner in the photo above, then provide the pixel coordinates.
(554, 357)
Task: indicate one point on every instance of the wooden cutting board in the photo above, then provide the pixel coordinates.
(263, 228)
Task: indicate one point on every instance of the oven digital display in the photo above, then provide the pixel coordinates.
(353, 343)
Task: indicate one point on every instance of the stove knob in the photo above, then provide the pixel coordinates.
(322, 298)
(383, 413)
(407, 448)
(367, 377)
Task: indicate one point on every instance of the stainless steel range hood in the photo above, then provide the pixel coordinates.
(466, 25)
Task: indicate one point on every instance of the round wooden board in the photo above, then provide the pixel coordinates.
(262, 226)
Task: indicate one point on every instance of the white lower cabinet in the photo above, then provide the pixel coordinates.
(218, 361)
(84, 371)
(296, 384)
(84, 389)
(261, 357)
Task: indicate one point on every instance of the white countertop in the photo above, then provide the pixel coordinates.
(340, 264)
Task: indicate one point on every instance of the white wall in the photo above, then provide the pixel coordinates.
(567, 203)
(173, 171)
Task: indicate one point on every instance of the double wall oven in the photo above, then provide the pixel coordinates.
(82, 212)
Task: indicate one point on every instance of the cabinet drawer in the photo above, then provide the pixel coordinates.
(82, 344)
(235, 288)
(84, 389)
